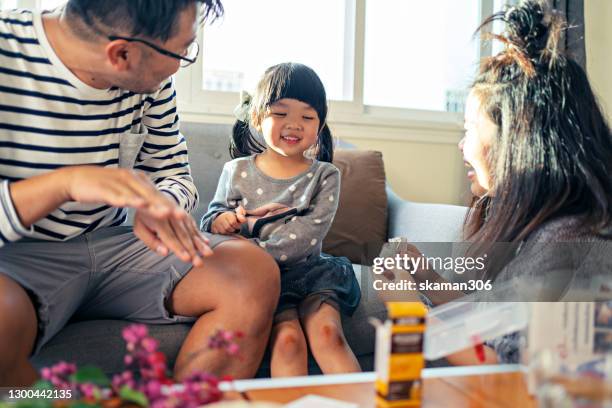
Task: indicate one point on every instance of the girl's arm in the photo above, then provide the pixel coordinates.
(223, 200)
(302, 235)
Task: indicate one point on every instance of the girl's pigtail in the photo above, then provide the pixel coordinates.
(242, 141)
(325, 145)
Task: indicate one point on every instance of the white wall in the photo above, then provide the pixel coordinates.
(422, 165)
(598, 37)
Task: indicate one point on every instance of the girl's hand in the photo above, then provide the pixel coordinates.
(227, 223)
(241, 214)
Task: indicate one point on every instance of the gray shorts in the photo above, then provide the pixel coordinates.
(105, 274)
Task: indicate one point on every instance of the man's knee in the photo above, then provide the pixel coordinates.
(15, 304)
(17, 316)
(256, 274)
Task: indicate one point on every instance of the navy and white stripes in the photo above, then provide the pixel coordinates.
(50, 119)
(10, 226)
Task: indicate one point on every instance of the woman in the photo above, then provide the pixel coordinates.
(539, 153)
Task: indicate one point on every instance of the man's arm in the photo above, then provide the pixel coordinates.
(163, 157)
(164, 153)
(26, 201)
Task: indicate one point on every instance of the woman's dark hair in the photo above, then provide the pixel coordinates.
(553, 151)
(154, 19)
(286, 80)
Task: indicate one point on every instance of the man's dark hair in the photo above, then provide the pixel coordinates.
(155, 19)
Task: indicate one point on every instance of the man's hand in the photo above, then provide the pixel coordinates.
(158, 222)
(115, 187)
(229, 222)
(177, 233)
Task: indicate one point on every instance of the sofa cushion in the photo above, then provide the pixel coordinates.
(360, 226)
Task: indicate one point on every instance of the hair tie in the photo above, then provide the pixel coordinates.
(242, 112)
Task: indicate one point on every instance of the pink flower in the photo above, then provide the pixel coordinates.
(227, 335)
(153, 390)
(88, 390)
(233, 349)
(147, 372)
(149, 344)
(128, 359)
(45, 373)
(134, 332)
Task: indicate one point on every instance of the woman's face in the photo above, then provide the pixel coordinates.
(480, 132)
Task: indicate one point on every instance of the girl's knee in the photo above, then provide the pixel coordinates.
(328, 335)
(289, 343)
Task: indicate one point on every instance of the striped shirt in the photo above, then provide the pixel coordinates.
(50, 119)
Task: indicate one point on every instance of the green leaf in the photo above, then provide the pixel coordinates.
(43, 385)
(137, 397)
(32, 403)
(91, 374)
(80, 404)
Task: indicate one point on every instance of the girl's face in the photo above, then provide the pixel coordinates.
(480, 132)
(290, 127)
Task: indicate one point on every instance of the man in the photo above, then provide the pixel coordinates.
(86, 96)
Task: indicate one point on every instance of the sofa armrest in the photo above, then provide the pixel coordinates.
(421, 222)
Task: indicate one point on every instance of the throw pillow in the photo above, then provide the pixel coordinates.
(360, 227)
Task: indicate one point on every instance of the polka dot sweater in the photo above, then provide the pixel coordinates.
(287, 217)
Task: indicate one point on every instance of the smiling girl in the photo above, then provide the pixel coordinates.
(282, 193)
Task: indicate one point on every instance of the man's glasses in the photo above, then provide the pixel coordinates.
(189, 56)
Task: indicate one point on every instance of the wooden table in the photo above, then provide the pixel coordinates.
(485, 386)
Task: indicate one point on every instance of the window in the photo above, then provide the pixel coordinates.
(257, 34)
(31, 4)
(419, 54)
(50, 4)
(8, 4)
(378, 59)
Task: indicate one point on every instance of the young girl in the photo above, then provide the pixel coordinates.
(282, 193)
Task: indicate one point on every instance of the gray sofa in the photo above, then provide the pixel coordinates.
(99, 342)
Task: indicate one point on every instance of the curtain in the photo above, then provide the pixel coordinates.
(573, 39)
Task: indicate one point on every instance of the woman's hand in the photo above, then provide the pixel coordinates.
(470, 357)
(417, 271)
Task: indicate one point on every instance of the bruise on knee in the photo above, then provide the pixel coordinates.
(289, 343)
(330, 335)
